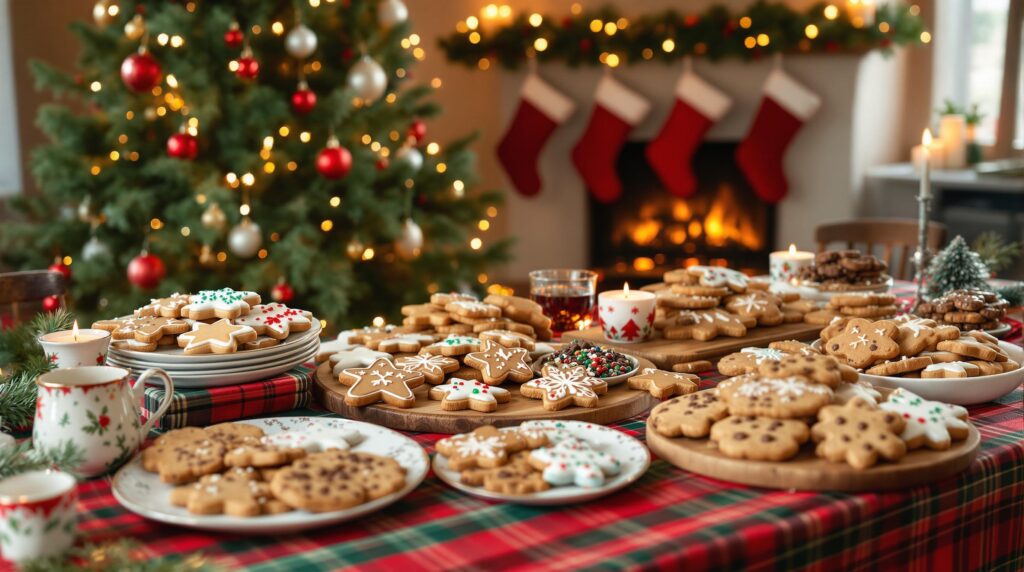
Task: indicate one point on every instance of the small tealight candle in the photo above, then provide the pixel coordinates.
(75, 347)
(626, 316)
(785, 265)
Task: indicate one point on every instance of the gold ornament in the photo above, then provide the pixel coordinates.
(104, 12)
(149, 113)
(354, 249)
(206, 257)
(135, 27)
(214, 218)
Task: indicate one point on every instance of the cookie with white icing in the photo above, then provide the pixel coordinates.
(928, 423)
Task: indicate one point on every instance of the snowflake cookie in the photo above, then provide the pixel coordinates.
(561, 387)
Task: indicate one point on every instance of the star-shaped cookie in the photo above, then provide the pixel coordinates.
(220, 337)
(664, 384)
(381, 381)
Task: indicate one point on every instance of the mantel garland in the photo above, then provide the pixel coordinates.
(605, 37)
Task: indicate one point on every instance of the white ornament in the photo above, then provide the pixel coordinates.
(367, 79)
(410, 157)
(410, 242)
(94, 248)
(245, 239)
(300, 43)
(391, 13)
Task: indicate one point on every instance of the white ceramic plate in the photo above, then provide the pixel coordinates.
(809, 292)
(963, 390)
(538, 365)
(218, 378)
(142, 492)
(631, 453)
(177, 355)
(999, 331)
(254, 360)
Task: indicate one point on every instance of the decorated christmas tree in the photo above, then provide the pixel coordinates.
(267, 145)
(956, 267)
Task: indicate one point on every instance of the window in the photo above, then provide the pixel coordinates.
(10, 158)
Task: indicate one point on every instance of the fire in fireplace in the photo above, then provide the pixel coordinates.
(650, 230)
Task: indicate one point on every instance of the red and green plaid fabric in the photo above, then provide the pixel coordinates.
(669, 519)
(202, 407)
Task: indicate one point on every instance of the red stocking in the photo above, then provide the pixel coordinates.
(617, 110)
(698, 106)
(786, 106)
(541, 110)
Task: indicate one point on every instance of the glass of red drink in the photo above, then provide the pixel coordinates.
(566, 295)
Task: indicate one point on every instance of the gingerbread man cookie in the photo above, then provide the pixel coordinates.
(759, 438)
(559, 388)
(275, 320)
(238, 492)
(169, 307)
(485, 446)
(690, 415)
(381, 381)
(864, 342)
(498, 363)
(664, 384)
(220, 337)
(460, 394)
(929, 423)
(858, 433)
(516, 477)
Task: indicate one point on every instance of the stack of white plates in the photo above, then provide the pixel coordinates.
(211, 370)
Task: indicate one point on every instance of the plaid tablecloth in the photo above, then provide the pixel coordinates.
(669, 519)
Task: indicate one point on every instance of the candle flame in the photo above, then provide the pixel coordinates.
(792, 248)
(583, 323)
(926, 138)
(74, 331)
(625, 289)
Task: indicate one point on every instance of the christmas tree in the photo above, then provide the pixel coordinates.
(956, 267)
(266, 145)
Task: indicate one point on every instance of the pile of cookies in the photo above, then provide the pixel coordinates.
(526, 459)
(790, 398)
(210, 321)
(704, 302)
(462, 314)
(914, 347)
(857, 305)
(843, 270)
(968, 309)
(235, 469)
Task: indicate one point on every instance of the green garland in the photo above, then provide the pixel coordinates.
(22, 361)
(22, 458)
(764, 28)
(122, 556)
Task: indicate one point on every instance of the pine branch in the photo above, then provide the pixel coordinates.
(121, 555)
(23, 361)
(22, 458)
(1013, 293)
(996, 253)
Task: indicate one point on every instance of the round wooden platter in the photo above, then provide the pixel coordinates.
(427, 416)
(806, 471)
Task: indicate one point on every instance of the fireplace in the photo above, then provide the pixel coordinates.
(649, 230)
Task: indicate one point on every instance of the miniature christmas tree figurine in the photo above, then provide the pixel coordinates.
(956, 267)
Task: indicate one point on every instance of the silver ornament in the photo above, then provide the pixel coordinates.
(409, 244)
(410, 157)
(94, 248)
(300, 43)
(245, 239)
(367, 79)
(391, 13)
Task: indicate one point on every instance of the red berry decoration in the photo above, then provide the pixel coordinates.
(146, 270)
(234, 36)
(382, 163)
(140, 72)
(62, 268)
(282, 292)
(304, 99)
(183, 146)
(248, 67)
(418, 130)
(334, 162)
(51, 303)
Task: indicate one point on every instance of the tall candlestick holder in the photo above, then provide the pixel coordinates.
(921, 256)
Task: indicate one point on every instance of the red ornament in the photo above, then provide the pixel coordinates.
(418, 130)
(382, 163)
(62, 268)
(146, 270)
(234, 36)
(248, 67)
(183, 146)
(691, 20)
(51, 303)
(347, 54)
(334, 162)
(304, 99)
(585, 45)
(282, 292)
(141, 72)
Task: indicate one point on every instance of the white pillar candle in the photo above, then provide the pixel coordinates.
(627, 316)
(861, 12)
(74, 347)
(953, 134)
(926, 182)
(784, 265)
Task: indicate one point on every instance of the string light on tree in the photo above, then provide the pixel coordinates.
(334, 161)
(104, 12)
(355, 248)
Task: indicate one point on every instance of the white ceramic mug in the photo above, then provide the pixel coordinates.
(98, 410)
(37, 514)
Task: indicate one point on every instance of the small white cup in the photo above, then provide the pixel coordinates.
(38, 515)
(63, 351)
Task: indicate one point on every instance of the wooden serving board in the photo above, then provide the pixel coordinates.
(806, 471)
(427, 416)
(665, 353)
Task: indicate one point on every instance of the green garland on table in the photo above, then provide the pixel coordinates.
(22, 361)
(122, 556)
(764, 28)
(22, 458)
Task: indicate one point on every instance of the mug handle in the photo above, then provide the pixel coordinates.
(139, 390)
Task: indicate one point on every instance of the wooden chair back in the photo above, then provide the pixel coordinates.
(23, 292)
(897, 239)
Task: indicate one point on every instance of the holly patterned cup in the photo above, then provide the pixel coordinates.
(37, 515)
(98, 410)
(76, 348)
(626, 316)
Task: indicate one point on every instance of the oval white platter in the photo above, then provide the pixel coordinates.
(631, 453)
(960, 390)
(142, 492)
(176, 355)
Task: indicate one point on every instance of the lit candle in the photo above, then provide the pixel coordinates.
(926, 184)
(75, 347)
(953, 136)
(73, 337)
(494, 17)
(626, 316)
(861, 12)
(785, 265)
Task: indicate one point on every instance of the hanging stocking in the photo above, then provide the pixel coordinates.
(785, 107)
(541, 109)
(617, 110)
(698, 106)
